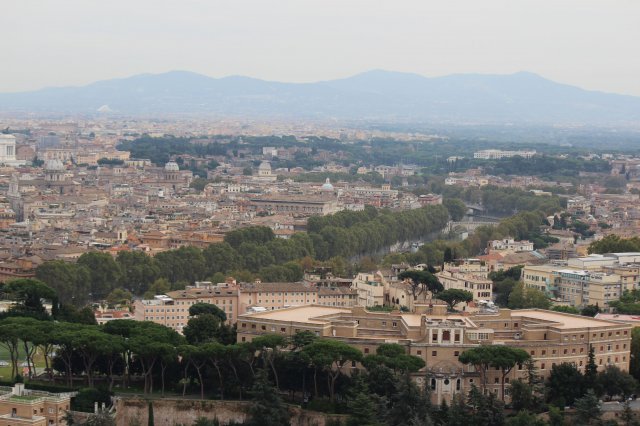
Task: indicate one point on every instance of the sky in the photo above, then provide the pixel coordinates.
(587, 43)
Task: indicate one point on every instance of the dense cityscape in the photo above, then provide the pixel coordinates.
(320, 213)
(326, 271)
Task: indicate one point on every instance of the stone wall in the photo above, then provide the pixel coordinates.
(171, 412)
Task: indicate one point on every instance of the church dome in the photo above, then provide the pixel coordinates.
(53, 165)
(171, 166)
(265, 165)
(327, 186)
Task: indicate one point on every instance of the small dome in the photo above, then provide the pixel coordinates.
(326, 186)
(171, 166)
(52, 165)
(265, 165)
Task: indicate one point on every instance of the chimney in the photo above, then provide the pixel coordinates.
(18, 389)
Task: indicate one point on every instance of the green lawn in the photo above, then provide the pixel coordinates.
(5, 372)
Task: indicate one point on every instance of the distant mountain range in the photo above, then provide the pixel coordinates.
(375, 95)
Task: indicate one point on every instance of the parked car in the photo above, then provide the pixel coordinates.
(4, 364)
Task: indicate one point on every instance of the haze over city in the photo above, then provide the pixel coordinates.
(587, 43)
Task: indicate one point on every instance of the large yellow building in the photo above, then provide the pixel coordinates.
(20, 406)
(439, 338)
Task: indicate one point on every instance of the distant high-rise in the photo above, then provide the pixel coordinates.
(49, 141)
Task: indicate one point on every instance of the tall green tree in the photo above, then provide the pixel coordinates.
(137, 271)
(615, 382)
(394, 356)
(72, 282)
(522, 297)
(104, 273)
(29, 294)
(421, 281)
(564, 385)
(588, 409)
(332, 356)
(453, 296)
(267, 408)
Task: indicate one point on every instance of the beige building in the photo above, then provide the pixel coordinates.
(297, 206)
(540, 277)
(172, 309)
(581, 288)
(337, 296)
(370, 288)
(438, 338)
(474, 266)
(481, 287)
(20, 406)
(272, 296)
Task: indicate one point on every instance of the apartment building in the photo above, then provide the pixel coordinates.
(509, 244)
(172, 309)
(337, 296)
(581, 288)
(473, 266)
(589, 280)
(439, 338)
(370, 288)
(276, 295)
(481, 287)
(540, 277)
(20, 406)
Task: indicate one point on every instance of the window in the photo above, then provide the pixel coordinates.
(394, 324)
(366, 350)
(542, 366)
(433, 384)
(533, 352)
(544, 352)
(458, 384)
(456, 353)
(434, 353)
(419, 352)
(496, 380)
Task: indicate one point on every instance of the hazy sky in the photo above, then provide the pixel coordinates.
(592, 44)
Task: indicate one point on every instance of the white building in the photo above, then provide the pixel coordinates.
(8, 151)
(510, 245)
(496, 154)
